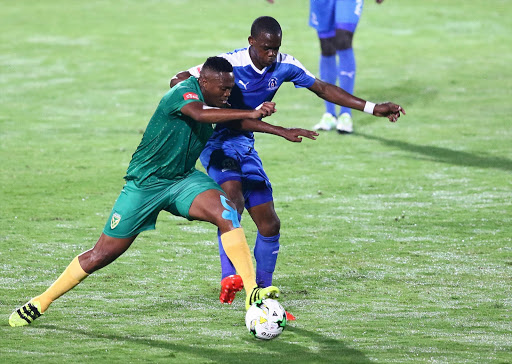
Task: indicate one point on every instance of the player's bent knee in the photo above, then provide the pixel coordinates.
(343, 39)
(271, 227)
(328, 46)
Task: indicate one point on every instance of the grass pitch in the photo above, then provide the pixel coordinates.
(396, 240)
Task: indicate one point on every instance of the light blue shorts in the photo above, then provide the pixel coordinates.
(328, 15)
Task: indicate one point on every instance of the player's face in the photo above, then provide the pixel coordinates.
(264, 49)
(216, 88)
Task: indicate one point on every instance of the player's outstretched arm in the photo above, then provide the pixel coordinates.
(203, 113)
(340, 97)
(291, 134)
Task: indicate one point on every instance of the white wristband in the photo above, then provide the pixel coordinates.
(368, 107)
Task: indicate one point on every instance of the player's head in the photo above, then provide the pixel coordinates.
(265, 41)
(216, 81)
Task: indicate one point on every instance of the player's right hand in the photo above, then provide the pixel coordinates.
(389, 110)
(296, 134)
(265, 109)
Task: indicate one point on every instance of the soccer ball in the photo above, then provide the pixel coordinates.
(265, 319)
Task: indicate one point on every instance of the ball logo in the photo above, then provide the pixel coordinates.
(190, 95)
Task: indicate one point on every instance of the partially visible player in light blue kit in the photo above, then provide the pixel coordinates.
(229, 156)
(335, 22)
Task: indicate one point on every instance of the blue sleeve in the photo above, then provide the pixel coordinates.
(297, 73)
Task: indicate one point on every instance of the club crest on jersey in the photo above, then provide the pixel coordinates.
(115, 220)
(190, 95)
(272, 84)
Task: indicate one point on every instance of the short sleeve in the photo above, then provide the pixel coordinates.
(180, 96)
(297, 73)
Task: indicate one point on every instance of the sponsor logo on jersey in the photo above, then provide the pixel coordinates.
(115, 220)
(190, 95)
(272, 84)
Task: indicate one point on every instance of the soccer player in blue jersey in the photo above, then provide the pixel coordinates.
(229, 156)
(335, 22)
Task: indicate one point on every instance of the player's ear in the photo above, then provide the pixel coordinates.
(251, 40)
(202, 81)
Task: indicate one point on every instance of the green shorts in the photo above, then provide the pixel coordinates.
(137, 208)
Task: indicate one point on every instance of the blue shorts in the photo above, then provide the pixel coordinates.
(328, 15)
(234, 162)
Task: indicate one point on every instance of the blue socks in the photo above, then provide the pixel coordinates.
(346, 73)
(344, 69)
(266, 250)
(328, 74)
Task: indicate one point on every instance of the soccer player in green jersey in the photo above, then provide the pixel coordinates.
(162, 176)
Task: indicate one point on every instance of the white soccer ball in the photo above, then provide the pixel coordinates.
(265, 319)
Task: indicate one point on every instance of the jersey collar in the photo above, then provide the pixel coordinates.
(249, 60)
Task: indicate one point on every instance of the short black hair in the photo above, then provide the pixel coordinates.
(265, 24)
(217, 64)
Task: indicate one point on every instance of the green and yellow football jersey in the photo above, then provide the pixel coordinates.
(172, 141)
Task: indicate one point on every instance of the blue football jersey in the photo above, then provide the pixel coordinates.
(254, 86)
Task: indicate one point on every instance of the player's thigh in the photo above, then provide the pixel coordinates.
(214, 207)
(186, 191)
(135, 210)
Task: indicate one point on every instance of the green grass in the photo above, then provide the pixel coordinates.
(396, 241)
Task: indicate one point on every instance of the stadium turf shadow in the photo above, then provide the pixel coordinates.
(328, 350)
(445, 155)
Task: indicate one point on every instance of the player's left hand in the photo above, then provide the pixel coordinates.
(295, 134)
(389, 110)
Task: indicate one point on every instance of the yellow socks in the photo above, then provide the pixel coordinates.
(237, 250)
(71, 276)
